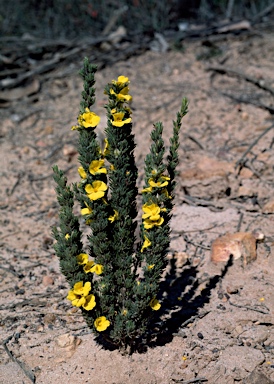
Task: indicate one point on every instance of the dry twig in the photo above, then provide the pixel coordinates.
(229, 71)
(249, 308)
(194, 380)
(241, 161)
(26, 371)
(245, 101)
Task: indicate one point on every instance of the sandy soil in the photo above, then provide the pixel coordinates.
(221, 317)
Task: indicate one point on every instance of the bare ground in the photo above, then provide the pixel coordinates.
(221, 317)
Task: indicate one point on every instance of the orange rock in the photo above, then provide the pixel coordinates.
(238, 245)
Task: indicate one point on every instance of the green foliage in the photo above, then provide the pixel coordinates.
(116, 281)
(75, 18)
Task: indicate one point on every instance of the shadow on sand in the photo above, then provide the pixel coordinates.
(179, 308)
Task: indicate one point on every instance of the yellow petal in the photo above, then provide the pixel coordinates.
(88, 266)
(98, 269)
(122, 79)
(78, 302)
(82, 258)
(86, 211)
(71, 296)
(82, 172)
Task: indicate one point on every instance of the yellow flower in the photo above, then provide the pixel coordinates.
(75, 127)
(148, 223)
(76, 300)
(121, 80)
(118, 119)
(148, 189)
(124, 312)
(78, 294)
(94, 268)
(151, 211)
(67, 236)
(101, 323)
(90, 303)
(96, 167)
(154, 304)
(152, 215)
(86, 211)
(96, 190)
(98, 269)
(146, 244)
(82, 258)
(113, 217)
(82, 172)
(122, 95)
(88, 266)
(163, 181)
(150, 266)
(88, 119)
(80, 289)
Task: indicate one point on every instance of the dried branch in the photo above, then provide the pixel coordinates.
(241, 161)
(27, 372)
(245, 101)
(229, 71)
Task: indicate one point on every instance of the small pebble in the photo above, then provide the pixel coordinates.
(47, 280)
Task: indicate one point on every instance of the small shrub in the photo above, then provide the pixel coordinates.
(115, 282)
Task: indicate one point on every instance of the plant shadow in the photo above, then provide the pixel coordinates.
(177, 309)
(180, 305)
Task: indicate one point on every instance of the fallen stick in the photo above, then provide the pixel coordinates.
(45, 67)
(250, 79)
(245, 101)
(249, 308)
(241, 161)
(26, 371)
(194, 380)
